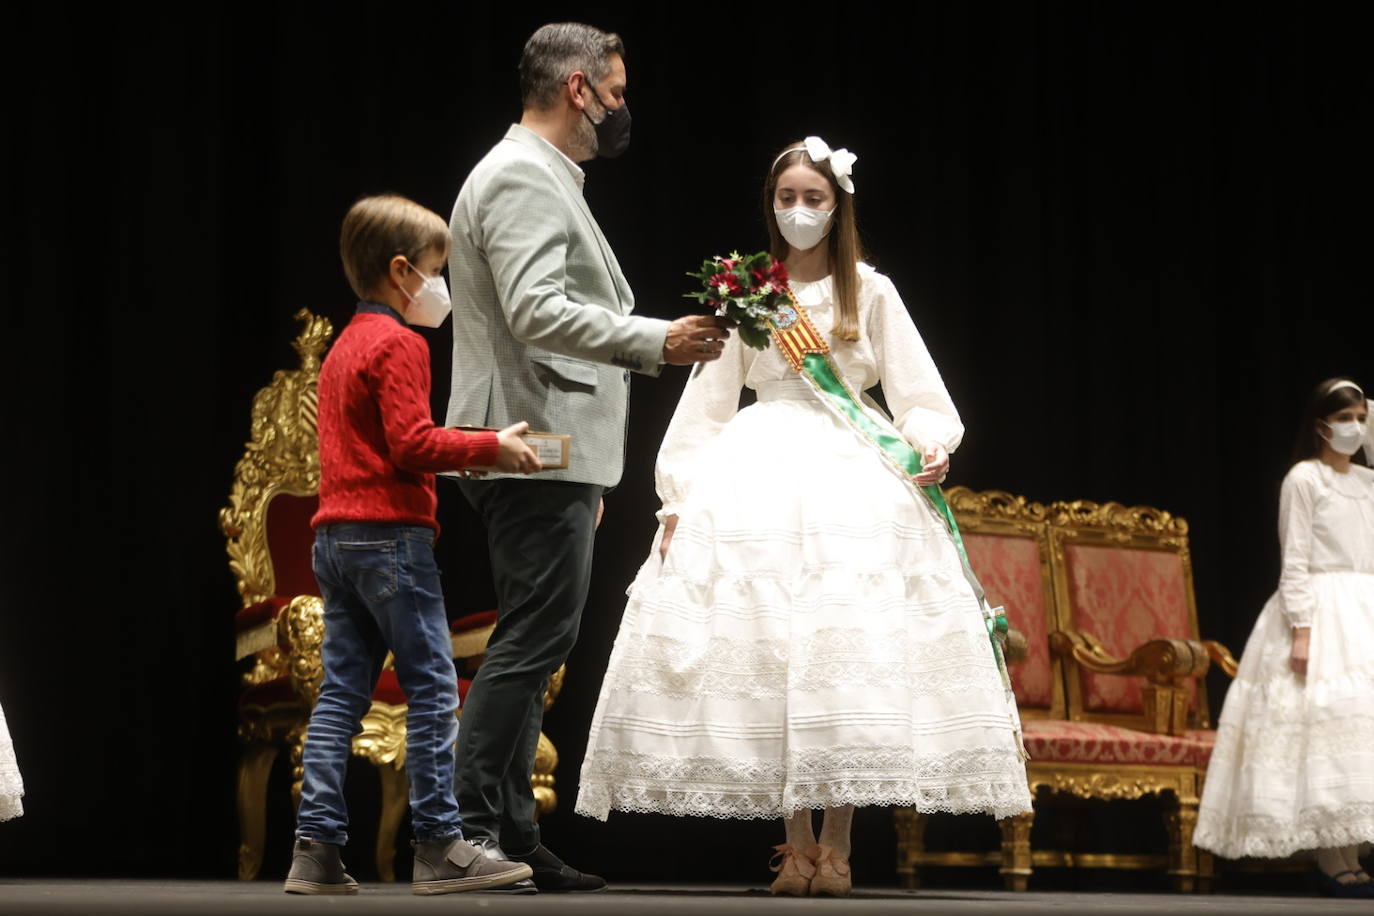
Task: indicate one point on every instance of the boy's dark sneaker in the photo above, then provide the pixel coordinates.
(449, 866)
(317, 869)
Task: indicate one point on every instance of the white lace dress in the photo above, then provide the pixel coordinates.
(1293, 766)
(810, 640)
(11, 786)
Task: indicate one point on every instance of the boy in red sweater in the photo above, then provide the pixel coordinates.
(373, 556)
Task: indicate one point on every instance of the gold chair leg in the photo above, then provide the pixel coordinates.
(911, 842)
(1206, 871)
(255, 765)
(542, 779)
(296, 741)
(1016, 851)
(1180, 818)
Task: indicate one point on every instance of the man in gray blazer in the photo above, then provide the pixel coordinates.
(543, 331)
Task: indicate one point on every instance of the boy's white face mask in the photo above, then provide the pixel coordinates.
(431, 305)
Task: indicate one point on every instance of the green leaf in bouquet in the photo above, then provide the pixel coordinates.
(753, 337)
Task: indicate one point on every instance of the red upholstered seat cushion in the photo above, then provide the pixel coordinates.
(1009, 570)
(473, 622)
(272, 693)
(259, 613)
(289, 539)
(1206, 740)
(389, 689)
(1125, 597)
(1055, 741)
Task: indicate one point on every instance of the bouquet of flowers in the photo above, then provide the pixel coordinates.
(750, 290)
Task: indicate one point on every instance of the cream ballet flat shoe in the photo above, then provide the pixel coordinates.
(832, 873)
(795, 871)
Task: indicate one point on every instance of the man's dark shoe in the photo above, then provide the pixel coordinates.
(492, 850)
(316, 868)
(552, 874)
(449, 866)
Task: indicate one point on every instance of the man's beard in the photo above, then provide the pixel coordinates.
(584, 144)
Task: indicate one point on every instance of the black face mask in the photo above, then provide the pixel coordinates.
(613, 133)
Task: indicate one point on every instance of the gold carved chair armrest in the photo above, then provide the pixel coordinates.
(1222, 656)
(1161, 661)
(1165, 664)
(300, 630)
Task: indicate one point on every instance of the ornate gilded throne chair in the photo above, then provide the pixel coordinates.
(1133, 663)
(279, 628)
(1111, 701)
(1007, 541)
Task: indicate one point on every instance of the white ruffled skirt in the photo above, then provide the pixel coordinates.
(11, 786)
(1293, 767)
(809, 642)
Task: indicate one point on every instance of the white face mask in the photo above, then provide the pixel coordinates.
(431, 305)
(1346, 437)
(803, 227)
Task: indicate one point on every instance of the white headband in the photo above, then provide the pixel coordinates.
(1345, 383)
(841, 160)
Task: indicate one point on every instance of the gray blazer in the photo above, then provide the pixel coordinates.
(542, 329)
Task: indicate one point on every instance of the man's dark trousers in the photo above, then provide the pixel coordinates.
(539, 533)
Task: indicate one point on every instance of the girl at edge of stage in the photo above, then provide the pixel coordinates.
(1295, 743)
(11, 784)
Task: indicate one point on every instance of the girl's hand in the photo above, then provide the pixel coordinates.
(669, 526)
(1302, 639)
(934, 465)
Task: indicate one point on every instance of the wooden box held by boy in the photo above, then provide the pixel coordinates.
(550, 448)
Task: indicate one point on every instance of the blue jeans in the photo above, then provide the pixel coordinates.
(381, 591)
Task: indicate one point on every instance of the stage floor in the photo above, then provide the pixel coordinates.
(261, 898)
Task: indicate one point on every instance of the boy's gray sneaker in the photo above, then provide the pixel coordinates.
(317, 869)
(449, 866)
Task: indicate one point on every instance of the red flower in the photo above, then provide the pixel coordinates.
(778, 274)
(727, 280)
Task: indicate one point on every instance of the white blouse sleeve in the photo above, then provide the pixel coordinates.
(1297, 509)
(920, 404)
(708, 402)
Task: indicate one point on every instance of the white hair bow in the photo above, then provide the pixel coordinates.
(841, 161)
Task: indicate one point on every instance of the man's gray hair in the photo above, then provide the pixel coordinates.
(558, 49)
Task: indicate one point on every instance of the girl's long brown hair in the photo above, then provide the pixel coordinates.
(845, 249)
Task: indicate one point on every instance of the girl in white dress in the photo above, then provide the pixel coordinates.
(1293, 767)
(809, 640)
(11, 786)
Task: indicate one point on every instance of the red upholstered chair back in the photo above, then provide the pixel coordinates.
(289, 537)
(1008, 548)
(1123, 575)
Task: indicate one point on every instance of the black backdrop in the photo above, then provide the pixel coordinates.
(1132, 235)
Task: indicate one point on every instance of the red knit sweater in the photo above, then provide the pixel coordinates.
(379, 447)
